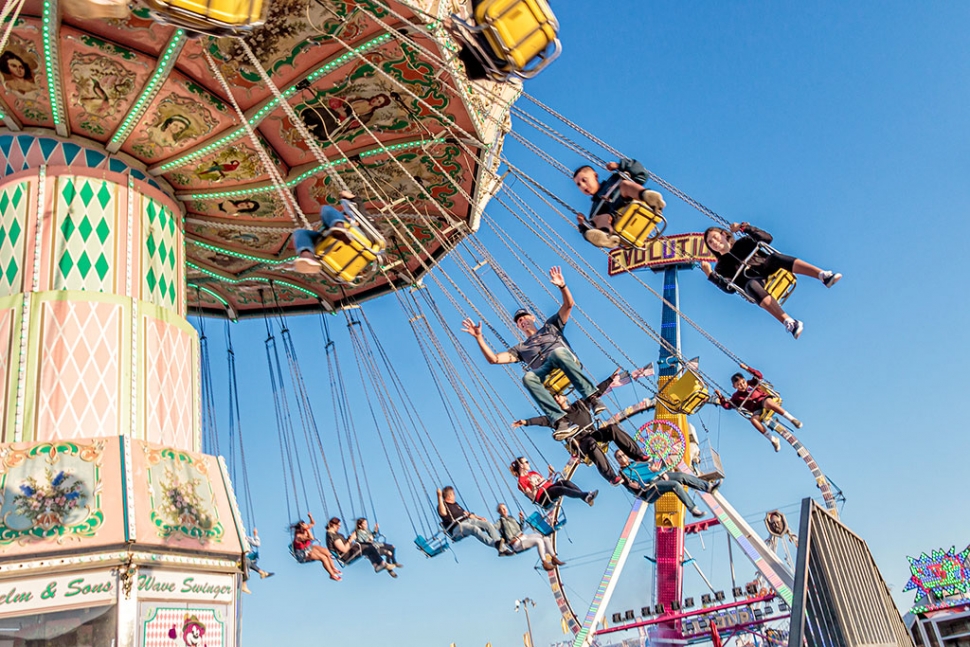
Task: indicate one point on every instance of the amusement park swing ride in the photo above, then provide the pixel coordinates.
(157, 161)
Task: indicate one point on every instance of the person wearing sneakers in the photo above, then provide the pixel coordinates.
(459, 523)
(333, 222)
(649, 482)
(519, 542)
(754, 400)
(348, 550)
(731, 255)
(252, 557)
(621, 188)
(587, 436)
(541, 490)
(363, 535)
(544, 350)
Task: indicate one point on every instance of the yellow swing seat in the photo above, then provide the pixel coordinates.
(212, 17)
(557, 383)
(520, 32)
(780, 285)
(347, 263)
(637, 223)
(685, 394)
(766, 413)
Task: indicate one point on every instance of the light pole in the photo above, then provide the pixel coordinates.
(524, 603)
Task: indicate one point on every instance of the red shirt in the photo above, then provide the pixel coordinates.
(755, 396)
(533, 485)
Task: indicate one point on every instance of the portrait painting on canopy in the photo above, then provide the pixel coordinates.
(363, 104)
(177, 121)
(19, 67)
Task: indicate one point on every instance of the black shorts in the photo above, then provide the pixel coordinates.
(756, 277)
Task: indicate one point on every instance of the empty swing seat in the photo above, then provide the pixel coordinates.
(212, 17)
(780, 285)
(686, 394)
(542, 522)
(709, 468)
(637, 223)
(521, 33)
(557, 383)
(350, 263)
(433, 545)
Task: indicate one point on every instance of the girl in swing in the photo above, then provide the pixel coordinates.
(731, 255)
(306, 549)
(541, 490)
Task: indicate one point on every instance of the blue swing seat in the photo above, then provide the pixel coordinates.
(433, 545)
(540, 521)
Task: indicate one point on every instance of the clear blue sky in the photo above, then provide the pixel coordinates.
(843, 129)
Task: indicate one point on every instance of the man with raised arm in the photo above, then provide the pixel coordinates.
(544, 350)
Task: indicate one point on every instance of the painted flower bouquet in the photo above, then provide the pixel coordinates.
(47, 501)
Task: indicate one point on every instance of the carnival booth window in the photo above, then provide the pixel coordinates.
(91, 627)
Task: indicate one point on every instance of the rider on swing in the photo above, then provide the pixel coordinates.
(749, 396)
(731, 255)
(544, 350)
(334, 222)
(610, 197)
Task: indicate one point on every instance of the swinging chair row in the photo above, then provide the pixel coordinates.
(510, 38)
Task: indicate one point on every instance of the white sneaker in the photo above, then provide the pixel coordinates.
(831, 278)
(305, 265)
(795, 327)
(776, 443)
(797, 423)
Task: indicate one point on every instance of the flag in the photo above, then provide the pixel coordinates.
(694, 364)
(715, 635)
(565, 627)
(526, 640)
(646, 371)
(619, 378)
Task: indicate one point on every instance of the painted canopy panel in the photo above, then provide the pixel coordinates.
(365, 79)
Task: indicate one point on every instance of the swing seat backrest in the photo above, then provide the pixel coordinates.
(557, 383)
(433, 545)
(542, 521)
(636, 223)
(780, 285)
(686, 394)
(520, 32)
(214, 17)
(350, 263)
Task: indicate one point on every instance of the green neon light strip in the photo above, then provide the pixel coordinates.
(235, 254)
(50, 63)
(165, 65)
(214, 295)
(254, 278)
(313, 171)
(263, 112)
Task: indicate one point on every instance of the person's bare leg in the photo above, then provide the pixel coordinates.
(772, 405)
(764, 432)
(773, 308)
(805, 269)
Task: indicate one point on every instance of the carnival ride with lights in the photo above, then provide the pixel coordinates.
(247, 117)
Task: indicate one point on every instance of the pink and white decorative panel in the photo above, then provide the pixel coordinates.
(169, 378)
(79, 374)
(8, 378)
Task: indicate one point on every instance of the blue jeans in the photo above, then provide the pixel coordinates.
(675, 483)
(305, 240)
(561, 358)
(483, 531)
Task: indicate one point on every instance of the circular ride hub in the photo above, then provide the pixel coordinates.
(131, 191)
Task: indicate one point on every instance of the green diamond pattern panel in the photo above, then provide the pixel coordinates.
(85, 246)
(13, 222)
(161, 256)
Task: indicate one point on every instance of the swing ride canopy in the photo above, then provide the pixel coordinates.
(389, 109)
